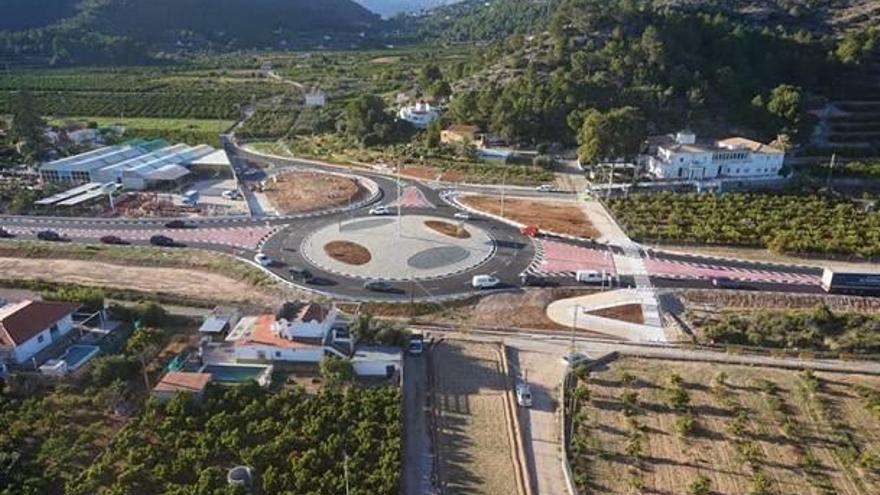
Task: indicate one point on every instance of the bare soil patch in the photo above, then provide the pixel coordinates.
(448, 229)
(189, 284)
(798, 432)
(348, 252)
(554, 216)
(474, 436)
(299, 192)
(628, 312)
(432, 173)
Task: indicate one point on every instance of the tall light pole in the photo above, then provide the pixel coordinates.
(399, 201)
(503, 190)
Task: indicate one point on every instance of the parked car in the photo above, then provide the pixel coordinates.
(484, 282)
(162, 241)
(50, 235)
(380, 210)
(231, 194)
(573, 358)
(301, 274)
(5, 234)
(523, 395)
(463, 215)
(416, 344)
(112, 239)
(378, 286)
(263, 260)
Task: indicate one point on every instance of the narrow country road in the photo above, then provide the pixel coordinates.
(418, 463)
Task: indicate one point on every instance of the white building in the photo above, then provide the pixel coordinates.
(28, 327)
(316, 98)
(420, 115)
(681, 157)
(376, 361)
(84, 136)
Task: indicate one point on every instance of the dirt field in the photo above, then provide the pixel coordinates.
(554, 216)
(192, 284)
(348, 252)
(448, 229)
(431, 173)
(298, 192)
(753, 430)
(474, 438)
(628, 312)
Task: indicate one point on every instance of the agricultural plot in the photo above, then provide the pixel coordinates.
(652, 426)
(189, 131)
(782, 223)
(474, 436)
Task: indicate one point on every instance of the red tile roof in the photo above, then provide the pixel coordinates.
(182, 381)
(23, 321)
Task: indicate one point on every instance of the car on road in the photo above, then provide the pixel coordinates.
(532, 280)
(416, 344)
(301, 275)
(378, 286)
(573, 358)
(484, 282)
(380, 210)
(50, 235)
(546, 188)
(178, 224)
(263, 260)
(112, 239)
(162, 241)
(523, 395)
(729, 283)
(463, 215)
(591, 276)
(5, 234)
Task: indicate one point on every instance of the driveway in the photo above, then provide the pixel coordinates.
(418, 459)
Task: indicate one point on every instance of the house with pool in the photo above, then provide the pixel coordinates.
(29, 327)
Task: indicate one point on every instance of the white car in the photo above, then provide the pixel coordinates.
(546, 188)
(380, 210)
(573, 358)
(463, 215)
(591, 276)
(484, 282)
(230, 194)
(263, 260)
(523, 395)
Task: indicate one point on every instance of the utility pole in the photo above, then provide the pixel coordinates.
(399, 201)
(503, 188)
(345, 471)
(574, 319)
(830, 170)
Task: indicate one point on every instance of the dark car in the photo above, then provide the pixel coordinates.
(5, 234)
(729, 283)
(50, 235)
(378, 286)
(163, 241)
(177, 224)
(112, 239)
(529, 280)
(301, 274)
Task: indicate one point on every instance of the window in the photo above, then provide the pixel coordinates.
(278, 354)
(41, 338)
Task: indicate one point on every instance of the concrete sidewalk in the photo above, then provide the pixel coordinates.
(575, 312)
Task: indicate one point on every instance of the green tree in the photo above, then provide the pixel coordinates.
(28, 128)
(336, 371)
(367, 121)
(786, 103)
(618, 133)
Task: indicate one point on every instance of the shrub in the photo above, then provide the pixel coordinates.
(336, 371)
(685, 425)
(701, 485)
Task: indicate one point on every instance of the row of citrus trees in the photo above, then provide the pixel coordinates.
(793, 223)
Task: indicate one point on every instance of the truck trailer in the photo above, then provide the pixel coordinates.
(855, 283)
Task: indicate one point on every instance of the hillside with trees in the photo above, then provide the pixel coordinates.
(127, 31)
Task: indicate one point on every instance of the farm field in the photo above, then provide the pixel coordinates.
(554, 216)
(474, 435)
(658, 426)
(189, 131)
(787, 223)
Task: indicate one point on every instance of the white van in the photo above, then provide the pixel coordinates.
(484, 282)
(523, 395)
(590, 276)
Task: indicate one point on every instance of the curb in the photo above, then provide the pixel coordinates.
(524, 483)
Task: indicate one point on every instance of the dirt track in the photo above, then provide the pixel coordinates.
(171, 281)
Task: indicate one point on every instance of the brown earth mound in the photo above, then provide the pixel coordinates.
(298, 192)
(448, 229)
(348, 252)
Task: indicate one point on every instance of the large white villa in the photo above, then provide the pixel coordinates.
(681, 157)
(420, 115)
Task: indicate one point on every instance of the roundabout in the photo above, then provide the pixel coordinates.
(409, 248)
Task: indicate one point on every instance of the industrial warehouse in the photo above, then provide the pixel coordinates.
(136, 165)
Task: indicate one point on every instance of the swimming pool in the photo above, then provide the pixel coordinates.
(234, 373)
(78, 355)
